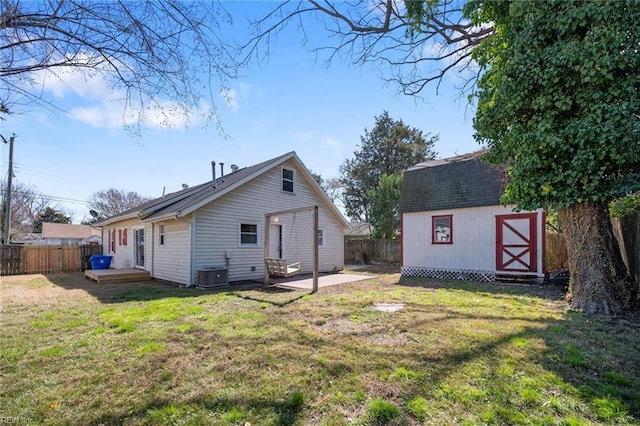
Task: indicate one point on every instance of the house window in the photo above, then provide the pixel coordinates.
(287, 179)
(248, 234)
(442, 229)
(320, 238)
(161, 234)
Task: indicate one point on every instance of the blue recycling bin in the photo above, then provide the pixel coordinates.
(100, 262)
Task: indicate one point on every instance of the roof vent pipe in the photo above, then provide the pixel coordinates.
(213, 172)
(222, 172)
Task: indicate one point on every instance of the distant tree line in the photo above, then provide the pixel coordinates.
(30, 208)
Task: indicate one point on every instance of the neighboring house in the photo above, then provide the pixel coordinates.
(454, 227)
(56, 234)
(358, 231)
(221, 224)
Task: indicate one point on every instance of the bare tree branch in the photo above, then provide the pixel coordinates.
(410, 54)
(154, 50)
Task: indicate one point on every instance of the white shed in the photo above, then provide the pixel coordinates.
(454, 227)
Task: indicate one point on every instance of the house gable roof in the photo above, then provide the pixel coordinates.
(458, 182)
(188, 200)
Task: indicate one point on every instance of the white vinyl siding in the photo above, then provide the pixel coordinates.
(124, 256)
(216, 227)
(474, 239)
(172, 261)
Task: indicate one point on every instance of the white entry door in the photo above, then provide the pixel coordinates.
(276, 246)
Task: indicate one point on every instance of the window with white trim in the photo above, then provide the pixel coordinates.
(161, 234)
(288, 178)
(320, 238)
(248, 234)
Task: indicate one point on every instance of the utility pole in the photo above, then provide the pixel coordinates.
(7, 221)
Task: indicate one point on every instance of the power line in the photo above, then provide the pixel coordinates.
(52, 197)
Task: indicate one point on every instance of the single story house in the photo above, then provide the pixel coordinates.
(454, 226)
(221, 224)
(58, 234)
(70, 234)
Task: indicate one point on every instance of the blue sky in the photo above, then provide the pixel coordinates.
(291, 103)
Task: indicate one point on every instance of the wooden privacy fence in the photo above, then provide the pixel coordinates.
(627, 231)
(388, 251)
(372, 251)
(17, 260)
(555, 248)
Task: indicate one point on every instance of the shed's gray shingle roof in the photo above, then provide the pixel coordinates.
(460, 182)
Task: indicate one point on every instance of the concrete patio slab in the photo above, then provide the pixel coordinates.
(306, 281)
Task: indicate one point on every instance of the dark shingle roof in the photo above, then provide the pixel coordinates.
(456, 183)
(189, 199)
(176, 202)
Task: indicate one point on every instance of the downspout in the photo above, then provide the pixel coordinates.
(153, 247)
(192, 257)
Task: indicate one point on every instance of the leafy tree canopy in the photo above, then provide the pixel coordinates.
(385, 217)
(388, 149)
(559, 99)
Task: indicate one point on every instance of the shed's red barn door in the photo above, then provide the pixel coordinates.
(516, 242)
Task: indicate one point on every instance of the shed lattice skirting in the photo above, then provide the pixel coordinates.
(449, 274)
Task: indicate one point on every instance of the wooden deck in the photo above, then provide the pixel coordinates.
(117, 275)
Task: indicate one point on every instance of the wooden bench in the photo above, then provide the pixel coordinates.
(279, 268)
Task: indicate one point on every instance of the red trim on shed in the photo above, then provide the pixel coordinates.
(520, 246)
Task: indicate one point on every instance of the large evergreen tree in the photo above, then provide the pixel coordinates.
(559, 103)
(388, 149)
(50, 215)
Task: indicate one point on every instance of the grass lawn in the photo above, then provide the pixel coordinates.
(80, 353)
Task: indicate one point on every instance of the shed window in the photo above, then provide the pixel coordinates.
(442, 229)
(320, 238)
(287, 179)
(248, 234)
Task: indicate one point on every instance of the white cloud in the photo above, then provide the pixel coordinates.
(304, 137)
(88, 97)
(334, 146)
(232, 96)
